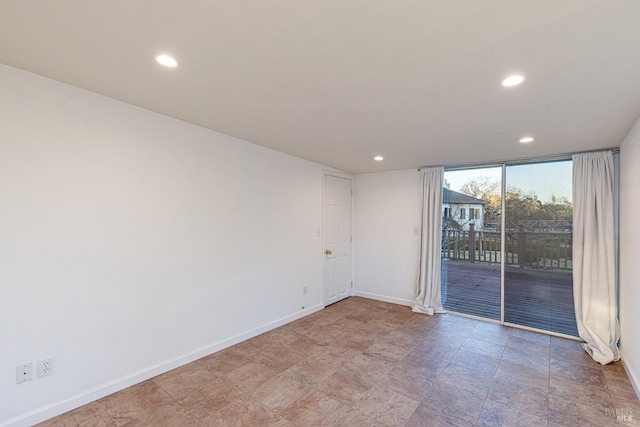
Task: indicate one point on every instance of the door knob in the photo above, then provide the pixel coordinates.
(327, 252)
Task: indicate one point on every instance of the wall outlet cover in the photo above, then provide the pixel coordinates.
(24, 373)
(45, 367)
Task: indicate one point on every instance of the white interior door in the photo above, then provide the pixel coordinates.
(337, 238)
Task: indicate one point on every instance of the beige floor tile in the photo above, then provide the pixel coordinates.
(443, 339)
(211, 397)
(537, 378)
(401, 337)
(620, 386)
(430, 419)
(135, 401)
(282, 335)
(313, 409)
(314, 370)
(579, 392)
(243, 412)
(339, 354)
(172, 415)
(406, 383)
(225, 361)
(520, 396)
(499, 337)
(356, 340)
(483, 347)
(251, 376)
(476, 382)
(306, 325)
(476, 362)
(278, 357)
(570, 352)
(325, 335)
(371, 366)
(451, 404)
(568, 413)
(614, 368)
(184, 380)
(350, 418)
(388, 351)
(451, 328)
(432, 349)
(496, 414)
(429, 367)
(304, 348)
(345, 386)
(526, 358)
(280, 392)
(589, 375)
(537, 347)
(386, 406)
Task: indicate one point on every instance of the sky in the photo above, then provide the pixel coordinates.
(544, 179)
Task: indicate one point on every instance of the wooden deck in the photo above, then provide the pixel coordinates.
(541, 299)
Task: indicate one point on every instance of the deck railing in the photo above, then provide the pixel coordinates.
(533, 249)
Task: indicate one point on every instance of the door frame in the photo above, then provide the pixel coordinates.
(350, 177)
(503, 190)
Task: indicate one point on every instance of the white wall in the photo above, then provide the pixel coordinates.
(629, 250)
(387, 214)
(131, 243)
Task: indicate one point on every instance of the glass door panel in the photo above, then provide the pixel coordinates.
(538, 284)
(471, 241)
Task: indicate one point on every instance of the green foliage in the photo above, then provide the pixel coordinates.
(519, 205)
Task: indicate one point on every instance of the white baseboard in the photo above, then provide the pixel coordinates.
(631, 374)
(385, 298)
(88, 396)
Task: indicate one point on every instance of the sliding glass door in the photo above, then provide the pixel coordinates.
(507, 244)
(538, 283)
(471, 241)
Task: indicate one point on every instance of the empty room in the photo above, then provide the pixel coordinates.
(329, 213)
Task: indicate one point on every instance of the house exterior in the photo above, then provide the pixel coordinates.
(460, 210)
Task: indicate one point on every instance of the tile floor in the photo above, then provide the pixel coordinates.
(367, 363)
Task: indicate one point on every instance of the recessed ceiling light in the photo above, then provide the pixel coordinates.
(526, 139)
(378, 158)
(167, 61)
(513, 80)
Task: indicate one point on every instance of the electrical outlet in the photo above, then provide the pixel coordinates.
(24, 373)
(304, 290)
(45, 367)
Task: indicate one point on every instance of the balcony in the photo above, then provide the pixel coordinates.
(538, 277)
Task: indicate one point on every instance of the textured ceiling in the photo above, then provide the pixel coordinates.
(338, 82)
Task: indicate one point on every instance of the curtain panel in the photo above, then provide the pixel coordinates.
(429, 299)
(594, 255)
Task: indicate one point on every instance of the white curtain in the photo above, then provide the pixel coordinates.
(429, 299)
(594, 260)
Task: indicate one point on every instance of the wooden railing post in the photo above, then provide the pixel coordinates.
(472, 243)
(522, 247)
